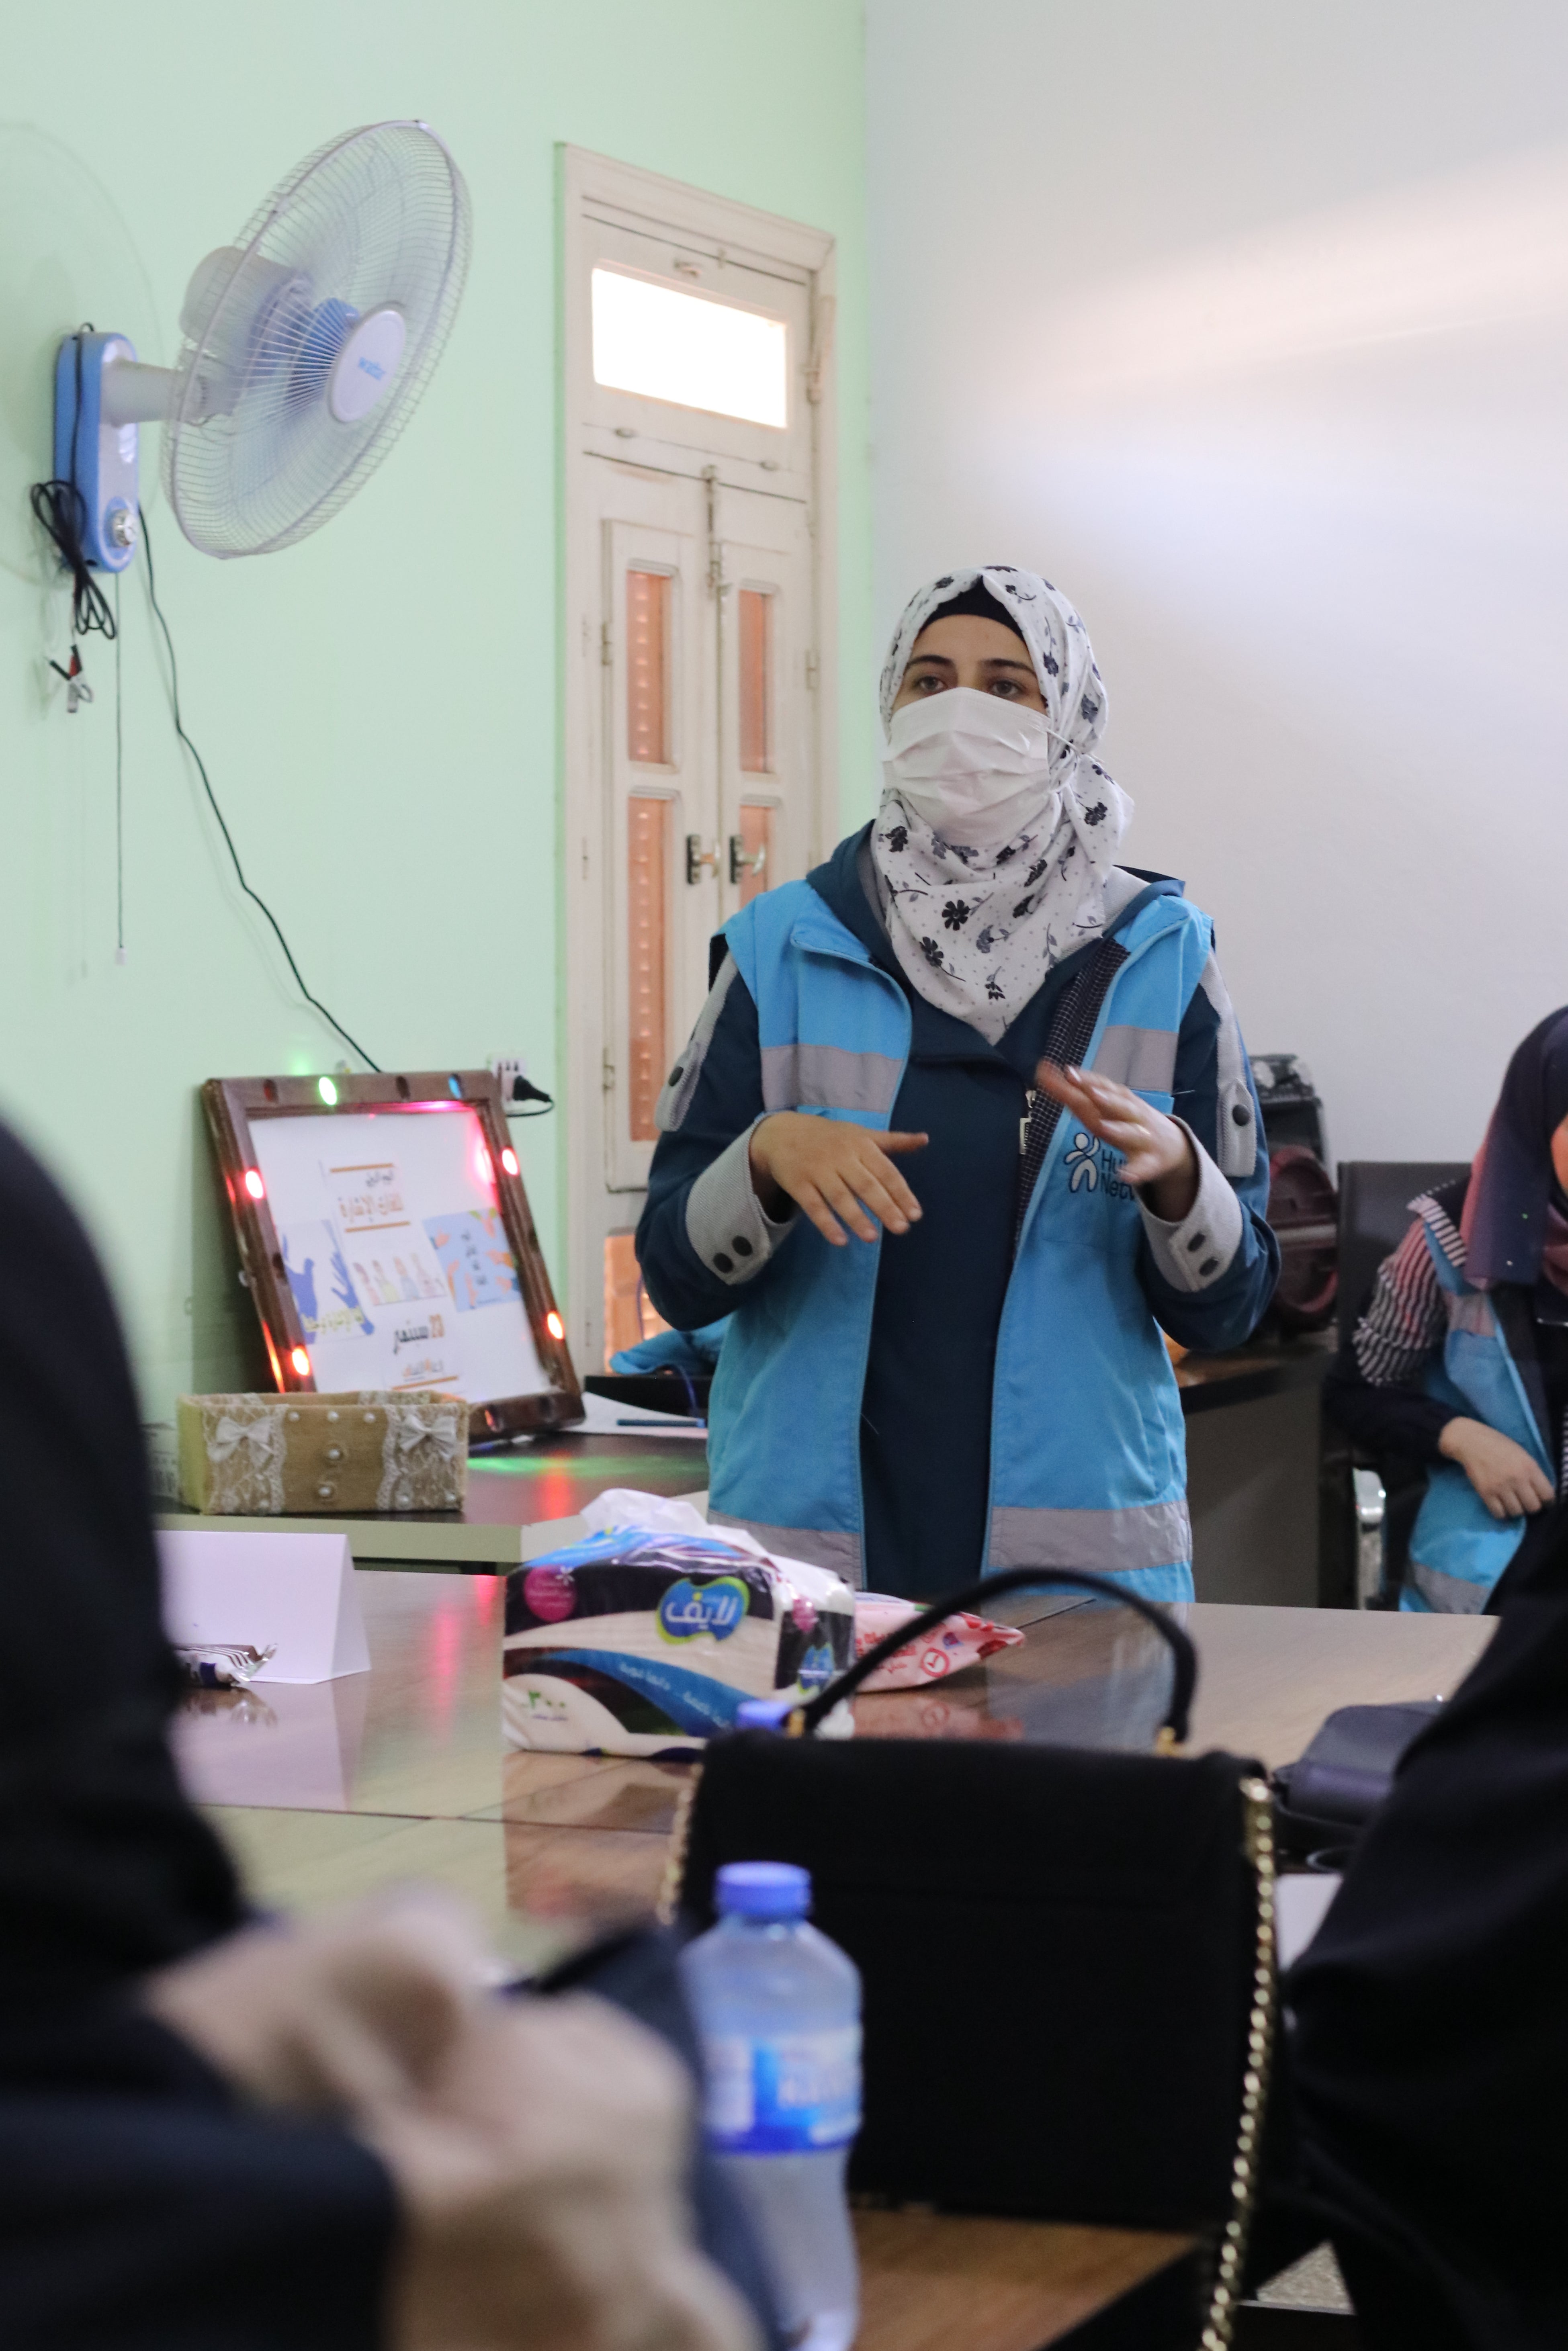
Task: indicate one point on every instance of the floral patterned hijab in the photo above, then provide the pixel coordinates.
(976, 928)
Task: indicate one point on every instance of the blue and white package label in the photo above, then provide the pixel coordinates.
(793, 2094)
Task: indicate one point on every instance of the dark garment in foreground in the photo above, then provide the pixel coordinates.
(1430, 2052)
(105, 1869)
(140, 2208)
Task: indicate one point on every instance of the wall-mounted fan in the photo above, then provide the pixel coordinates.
(307, 344)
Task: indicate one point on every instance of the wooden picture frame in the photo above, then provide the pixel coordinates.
(240, 1112)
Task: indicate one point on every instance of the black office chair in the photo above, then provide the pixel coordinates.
(1378, 1498)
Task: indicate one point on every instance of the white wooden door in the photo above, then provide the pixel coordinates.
(766, 669)
(695, 718)
(704, 631)
(662, 778)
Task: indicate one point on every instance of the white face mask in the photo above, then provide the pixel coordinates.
(974, 767)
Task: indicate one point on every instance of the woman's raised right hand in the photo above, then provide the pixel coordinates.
(823, 1163)
(1510, 1482)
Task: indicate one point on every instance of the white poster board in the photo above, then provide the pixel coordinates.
(395, 1252)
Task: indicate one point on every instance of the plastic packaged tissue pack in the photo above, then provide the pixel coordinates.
(644, 1641)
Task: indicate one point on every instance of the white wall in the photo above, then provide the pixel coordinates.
(1248, 325)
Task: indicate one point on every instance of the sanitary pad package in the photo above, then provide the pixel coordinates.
(643, 1641)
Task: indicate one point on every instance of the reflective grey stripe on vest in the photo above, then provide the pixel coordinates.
(828, 1076)
(1143, 1058)
(1450, 1595)
(682, 1082)
(1152, 1535)
(1236, 1144)
(841, 1552)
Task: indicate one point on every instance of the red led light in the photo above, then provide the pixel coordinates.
(554, 1324)
(510, 1160)
(301, 1359)
(254, 1185)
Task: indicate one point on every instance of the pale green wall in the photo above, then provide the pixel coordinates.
(378, 705)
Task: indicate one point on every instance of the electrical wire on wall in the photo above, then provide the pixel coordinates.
(254, 896)
(118, 793)
(58, 508)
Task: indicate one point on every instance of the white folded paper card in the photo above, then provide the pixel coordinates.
(291, 1592)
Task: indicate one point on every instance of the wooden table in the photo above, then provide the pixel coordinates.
(327, 1791)
(331, 1789)
(939, 2281)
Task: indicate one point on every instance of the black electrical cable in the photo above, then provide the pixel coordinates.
(524, 1089)
(61, 512)
(253, 896)
(118, 793)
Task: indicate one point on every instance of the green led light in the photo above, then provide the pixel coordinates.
(328, 1091)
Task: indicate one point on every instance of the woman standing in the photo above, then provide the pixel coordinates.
(972, 978)
(1460, 1361)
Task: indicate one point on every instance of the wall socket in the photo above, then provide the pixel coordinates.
(511, 1074)
(506, 1068)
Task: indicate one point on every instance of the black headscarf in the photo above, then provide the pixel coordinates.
(1430, 2052)
(1514, 1208)
(106, 1868)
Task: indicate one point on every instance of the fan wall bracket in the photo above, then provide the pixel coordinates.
(95, 451)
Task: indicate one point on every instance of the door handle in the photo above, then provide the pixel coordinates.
(698, 855)
(741, 864)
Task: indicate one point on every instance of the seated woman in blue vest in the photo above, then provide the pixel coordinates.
(1460, 1361)
(962, 1368)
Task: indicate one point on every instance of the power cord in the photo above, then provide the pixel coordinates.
(254, 896)
(118, 793)
(524, 1091)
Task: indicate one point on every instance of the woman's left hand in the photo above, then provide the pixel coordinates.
(1159, 1159)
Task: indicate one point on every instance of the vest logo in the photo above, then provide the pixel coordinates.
(688, 1609)
(1095, 1167)
(1085, 1175)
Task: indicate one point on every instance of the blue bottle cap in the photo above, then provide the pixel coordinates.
(763, 1713)
(762, 1889)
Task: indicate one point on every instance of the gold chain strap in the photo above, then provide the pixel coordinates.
(1259, 1844)
(669, 1900)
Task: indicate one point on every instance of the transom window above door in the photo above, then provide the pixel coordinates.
(662, 342)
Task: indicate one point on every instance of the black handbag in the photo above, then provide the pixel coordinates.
(1326, 1797)
(1067, 1955)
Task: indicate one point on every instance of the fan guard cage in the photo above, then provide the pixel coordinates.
(253, 459)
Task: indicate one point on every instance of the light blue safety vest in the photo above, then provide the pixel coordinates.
(1088, 1451)
(1458, 1550)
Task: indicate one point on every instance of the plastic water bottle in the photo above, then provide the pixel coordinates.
(778, 2008)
